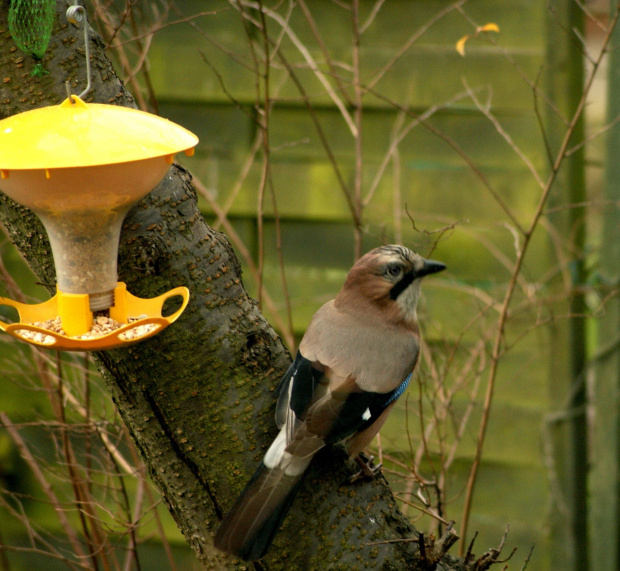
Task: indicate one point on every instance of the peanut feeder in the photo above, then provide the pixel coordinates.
(80, 168)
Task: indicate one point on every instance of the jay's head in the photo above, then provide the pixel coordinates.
(387, 279)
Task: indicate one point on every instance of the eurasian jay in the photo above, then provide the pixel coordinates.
(354, 361)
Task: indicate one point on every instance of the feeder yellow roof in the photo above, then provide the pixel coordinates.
(78, 134)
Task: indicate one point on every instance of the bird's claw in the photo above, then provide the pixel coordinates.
(368, 469)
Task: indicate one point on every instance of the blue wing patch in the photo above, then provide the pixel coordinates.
(399, 390)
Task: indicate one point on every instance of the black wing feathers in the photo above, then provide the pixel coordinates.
(348, 417)
(335, 418)
(305, 379)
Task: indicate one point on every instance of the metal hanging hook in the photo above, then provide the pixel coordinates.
(76, 15)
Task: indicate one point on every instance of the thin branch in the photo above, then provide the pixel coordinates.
(373, 14)
(424, 511)
(412, 40)
(324, 50)
(484, 109)
(540, 120)
(594, 136)
(358, 114)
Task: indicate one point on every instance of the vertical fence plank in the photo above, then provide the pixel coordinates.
(605, 479)
(569, 456)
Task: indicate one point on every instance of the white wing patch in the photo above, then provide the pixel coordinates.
(275, 454)
(278, 457)
(366, 415)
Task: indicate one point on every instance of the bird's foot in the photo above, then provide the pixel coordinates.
(368, 469)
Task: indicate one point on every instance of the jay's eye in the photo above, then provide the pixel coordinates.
(393, 270)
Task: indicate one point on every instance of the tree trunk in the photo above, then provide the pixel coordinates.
(198, 398)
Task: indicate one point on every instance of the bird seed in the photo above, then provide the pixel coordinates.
(102, 325)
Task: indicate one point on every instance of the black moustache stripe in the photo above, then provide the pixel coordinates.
(402, 285)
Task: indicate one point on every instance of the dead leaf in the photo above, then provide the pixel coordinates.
(460, 45)
(490, 27)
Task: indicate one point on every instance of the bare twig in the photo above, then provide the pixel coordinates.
(412, 40)
(44, 483)
(357, 136)
(486, 111)
(400, 135)
(324, 50)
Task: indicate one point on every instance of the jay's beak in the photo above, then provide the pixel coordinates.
(430, 267)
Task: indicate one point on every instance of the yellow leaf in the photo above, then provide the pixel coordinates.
(460, 45)
(491, 27)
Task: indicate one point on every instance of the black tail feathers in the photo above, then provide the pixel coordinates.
(249, 528)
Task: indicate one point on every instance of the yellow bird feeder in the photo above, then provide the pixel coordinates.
(80, 167)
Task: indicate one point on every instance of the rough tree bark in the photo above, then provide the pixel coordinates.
(198, 398)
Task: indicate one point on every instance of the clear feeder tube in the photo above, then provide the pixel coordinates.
(85, 249)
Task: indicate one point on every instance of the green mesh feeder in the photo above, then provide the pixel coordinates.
(30, 23)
